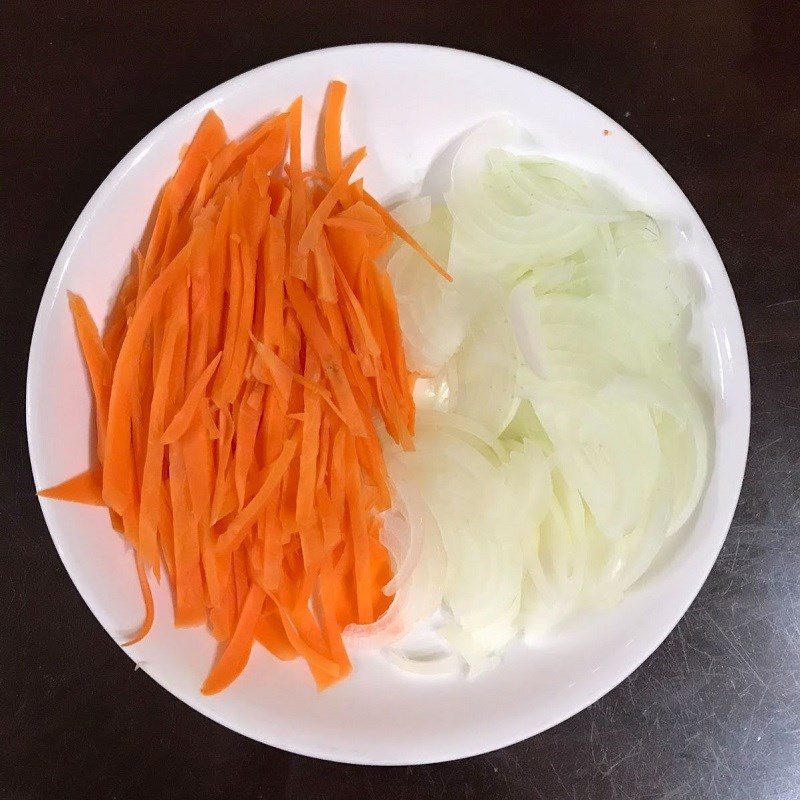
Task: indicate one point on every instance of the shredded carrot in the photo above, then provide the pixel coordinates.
(182, 419)
(321, 213)
(236, 654)
(85, 487)
(147, 595)
(208, 141)
(97, 363)
(332, 128)
(401, 233)
(237, 388)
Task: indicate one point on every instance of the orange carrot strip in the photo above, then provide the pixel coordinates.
(314, 658)
(331, 364)
(338, 472)
(148, 265)
(307, 475)
(333, 631)
(183, 417)
(222, 617)
(233, 380)
(321, 213)
(255, 211)
(274, 254)
(223, 381)
(85, 487)
(149, 609)
(98, 365)
(359, 326)
(198, 458)
(208, 420)
(223, 456)
(325, 273)
(238, 528)
(270, 633)
(358, 525)
(151, 484)
(247, 423)
(117, 321)
(269, 138)
(189, 599)
(298, 266)
(398, 230)
(118, 471)
(332, 127)
(210, 562)
(165, 533)
(207, 142)
(218, 275)
(352, 224)
(331, 524)
(202, 193)
(237, 653)
(199, 297)
(322, 392)
(241, 579)
(280, 373)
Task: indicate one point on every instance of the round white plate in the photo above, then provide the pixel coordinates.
(408, 105)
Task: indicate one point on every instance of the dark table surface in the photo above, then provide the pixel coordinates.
(712, 89)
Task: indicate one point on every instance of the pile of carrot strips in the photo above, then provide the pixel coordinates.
(245, 364)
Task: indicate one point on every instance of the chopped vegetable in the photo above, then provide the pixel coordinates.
(86, 487)
(246, 363)
(560, 436)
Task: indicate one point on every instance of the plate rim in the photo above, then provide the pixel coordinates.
(208, 99)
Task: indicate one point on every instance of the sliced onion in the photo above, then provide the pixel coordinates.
(560, 435)
(440, 664)
(413, 213)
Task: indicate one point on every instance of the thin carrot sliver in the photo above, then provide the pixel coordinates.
(243, 328)
(270, 633)
(97, 362)
(247, 515)
(307, 474)
(222, 457)
(237, 653)
(189, 600)
(149, 608)
(325, 273)
(310, 235)
(360, 225)
(358, 525)
(218, 272)
(280, 374)
(222, 382)
(331, 365)
(207, 142)
(85, 487)
(150, 503)
(183, 417)
(401, 233)
(247, 423)
(332, 127)
(274, 256)
(298, 266)
(319, 661)
(118, 492)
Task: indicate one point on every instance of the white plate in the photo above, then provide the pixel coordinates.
(407, 104)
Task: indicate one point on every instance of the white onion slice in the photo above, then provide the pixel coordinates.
(561, 436)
